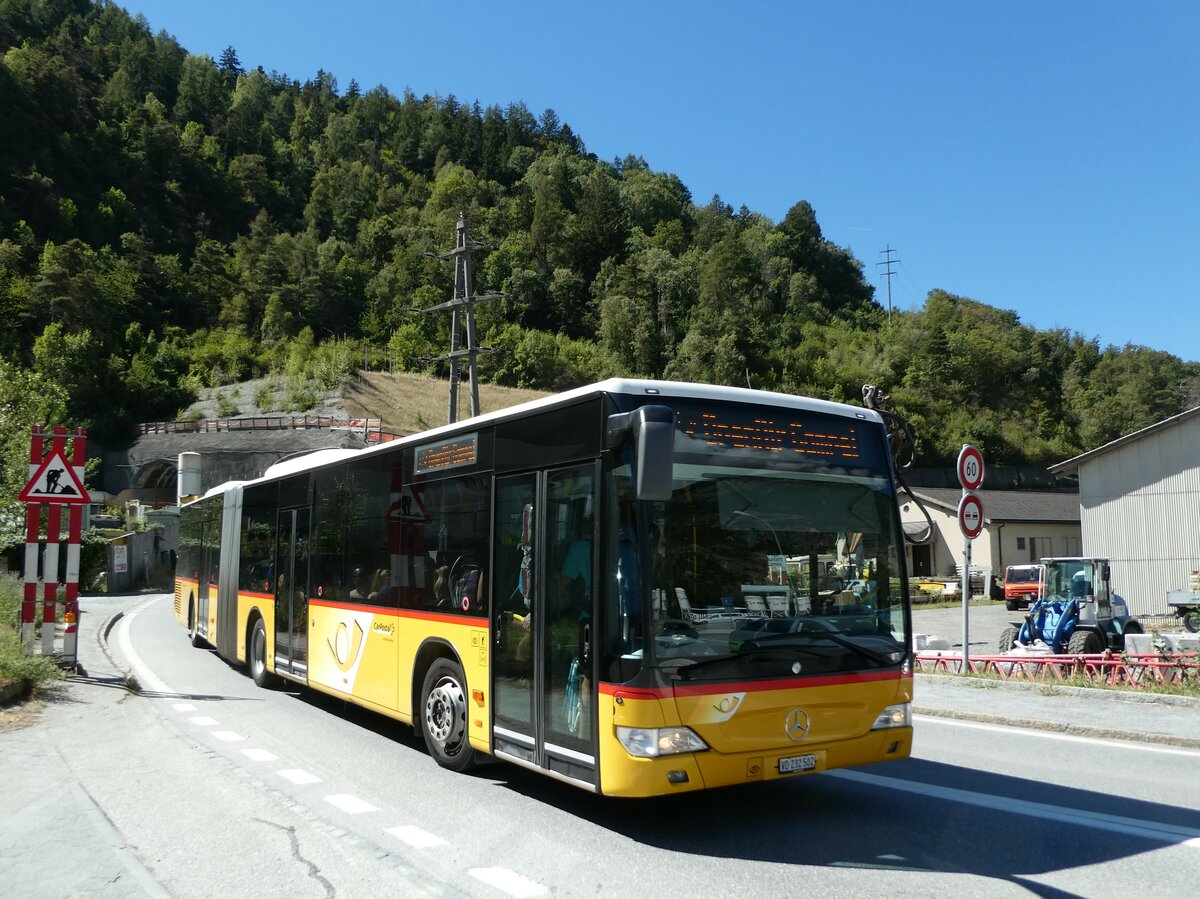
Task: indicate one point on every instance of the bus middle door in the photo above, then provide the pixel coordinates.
(291, 592)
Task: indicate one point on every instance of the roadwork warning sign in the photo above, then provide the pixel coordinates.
(55, 481)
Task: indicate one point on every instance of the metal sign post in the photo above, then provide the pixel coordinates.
(970, 522)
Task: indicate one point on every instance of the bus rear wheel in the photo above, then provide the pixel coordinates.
(444, 716)
(258, 655)
(193, 626)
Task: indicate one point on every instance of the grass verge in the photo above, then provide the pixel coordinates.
(27, 673)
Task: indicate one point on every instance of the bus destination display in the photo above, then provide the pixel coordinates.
(825, 438)
(453, 453)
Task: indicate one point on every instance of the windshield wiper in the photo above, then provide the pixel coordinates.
(751, 654)
(877, 657)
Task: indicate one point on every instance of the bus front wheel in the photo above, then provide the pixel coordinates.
(444, 716)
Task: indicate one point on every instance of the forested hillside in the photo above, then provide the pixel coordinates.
(169, 221)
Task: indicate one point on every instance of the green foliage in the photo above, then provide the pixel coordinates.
(264, 397)
(16, 666)
(250, 224)
(226, 407)
(26, 399)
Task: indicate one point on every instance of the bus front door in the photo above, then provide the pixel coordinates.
(542, 620)
(291, 593)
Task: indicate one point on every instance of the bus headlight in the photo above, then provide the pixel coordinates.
(651, 742)
(898, 715)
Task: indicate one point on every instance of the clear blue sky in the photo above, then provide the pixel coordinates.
(1038, 155)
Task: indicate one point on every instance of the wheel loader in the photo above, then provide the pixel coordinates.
(1076, 612)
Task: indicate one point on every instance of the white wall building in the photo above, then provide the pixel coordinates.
(1019, 527)
(1139, 502)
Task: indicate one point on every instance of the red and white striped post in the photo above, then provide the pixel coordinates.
(43, 489)
(58, 444)
(33, 514)
(74, 534)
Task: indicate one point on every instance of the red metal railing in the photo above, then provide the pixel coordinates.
(371, 428)
(1107, 668)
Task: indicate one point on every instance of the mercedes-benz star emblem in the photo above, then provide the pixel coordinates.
(797, 725)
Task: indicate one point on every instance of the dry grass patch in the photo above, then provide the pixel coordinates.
(409, 403)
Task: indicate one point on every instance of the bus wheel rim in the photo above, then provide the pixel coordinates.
(446, 713)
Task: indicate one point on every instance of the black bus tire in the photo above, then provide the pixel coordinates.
(444, 716)
(194, 626)
(256, 653)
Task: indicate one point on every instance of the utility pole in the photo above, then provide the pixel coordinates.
(888, 260)
(463, 301)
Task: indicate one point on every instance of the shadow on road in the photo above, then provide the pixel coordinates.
(829, 821)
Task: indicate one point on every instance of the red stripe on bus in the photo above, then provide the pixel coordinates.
(402, 613)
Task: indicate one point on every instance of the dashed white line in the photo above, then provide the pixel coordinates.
(298, 776)
(184, 707)
(228, 736)
(260, 755)
(203, 721)
(349, 804)
(508, 881)
(415, 836)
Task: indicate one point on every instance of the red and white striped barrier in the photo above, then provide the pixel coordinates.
(39, 461)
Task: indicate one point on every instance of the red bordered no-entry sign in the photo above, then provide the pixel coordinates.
(970, 467)
(970, 515)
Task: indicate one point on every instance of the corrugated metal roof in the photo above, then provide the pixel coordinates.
(1008, 505)
(1071, 466)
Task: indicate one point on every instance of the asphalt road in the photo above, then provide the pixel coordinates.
(204, 785)
(984, 625)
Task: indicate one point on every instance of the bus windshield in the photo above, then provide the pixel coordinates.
(768, 565)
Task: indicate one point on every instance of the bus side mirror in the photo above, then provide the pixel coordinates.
(653, 432)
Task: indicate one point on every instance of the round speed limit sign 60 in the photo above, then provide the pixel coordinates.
(970, 467)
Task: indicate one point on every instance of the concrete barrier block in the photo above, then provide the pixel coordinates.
(1139, 644)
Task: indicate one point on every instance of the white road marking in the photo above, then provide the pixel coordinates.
(203, 721)
(508, 881)
(184, 707)
(228, 736)
(260, 755)
(298, 776)
(415, 836)
(1055, 735)
(351, 805)
(1134, 827)
(144, 675)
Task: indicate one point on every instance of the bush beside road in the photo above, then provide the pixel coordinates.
(20, 674)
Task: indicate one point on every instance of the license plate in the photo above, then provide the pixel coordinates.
(797, 763)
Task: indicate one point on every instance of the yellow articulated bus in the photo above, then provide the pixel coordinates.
(636, 587)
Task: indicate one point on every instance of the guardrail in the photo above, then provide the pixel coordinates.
(371, 428)
(1126, 670)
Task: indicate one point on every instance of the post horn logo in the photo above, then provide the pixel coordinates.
(345, 647)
